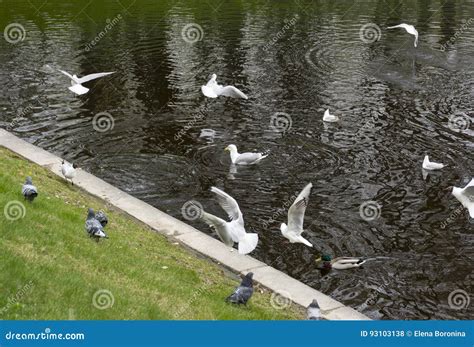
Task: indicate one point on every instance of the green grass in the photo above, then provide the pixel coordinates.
(51, 269)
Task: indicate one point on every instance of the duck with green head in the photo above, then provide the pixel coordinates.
(325, 262)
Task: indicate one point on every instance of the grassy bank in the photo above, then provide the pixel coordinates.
(50, 269)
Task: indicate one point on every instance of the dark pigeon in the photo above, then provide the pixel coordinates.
(102, 218)
(243, 292)
(28, 190)
(93, 226)
(313, 311)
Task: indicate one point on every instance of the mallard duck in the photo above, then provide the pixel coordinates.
(341, 263)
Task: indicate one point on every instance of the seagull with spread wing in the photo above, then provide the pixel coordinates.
(233, 231)
(294, 229)
(213, 90)
(466, 196)
(409, 29)
(76, 82)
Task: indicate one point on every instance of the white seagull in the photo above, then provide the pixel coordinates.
(68, 171)
(296, 218)
(409, 28)
(330, 117)
(431, 165)
(233, 231)
(466, 196)
(213, 90)
(76, 82)
(244, 158)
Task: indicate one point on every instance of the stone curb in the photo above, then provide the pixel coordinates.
(159, 221)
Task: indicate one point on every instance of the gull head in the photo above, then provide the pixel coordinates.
(29, 180)
(231, 149)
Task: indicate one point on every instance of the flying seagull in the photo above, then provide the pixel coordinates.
(213, 90)
(430, 165)
(233, 231)
(243, 292)
(28, 190)
(466, 196)
(409, 28)
(341, 263)
(68, 170)
(296, 218)
(330, 117)
(93, 226)
(244, 158)
(76, 82)
(102, 218)
(313, 311)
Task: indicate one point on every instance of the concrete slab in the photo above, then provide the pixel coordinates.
(344, 313)
(26, 150)
(269, 277)
(292, 289)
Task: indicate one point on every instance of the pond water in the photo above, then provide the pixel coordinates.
(294, 59)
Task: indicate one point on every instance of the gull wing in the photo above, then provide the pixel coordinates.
(220, 226)
(297, 210)
(228, 204)
(248, 158)
(93, 76)
(69, 75)
(232, 92)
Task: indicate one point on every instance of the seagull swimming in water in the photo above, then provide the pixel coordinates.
(466, 196)
(233, 231)
(68, 170)
(28, 190)
(76, 82)
(330, 117)
(430, 165)
(409, 28)
(213, 90)
(93, 226)
(244, 158)
(293, 230)
(243, 292)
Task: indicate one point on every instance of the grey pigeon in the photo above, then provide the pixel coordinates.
(28, 190)
(243, 292)
(313, 311)
(93, 226)
(102, 218)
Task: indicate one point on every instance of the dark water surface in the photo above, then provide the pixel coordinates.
(293, 59)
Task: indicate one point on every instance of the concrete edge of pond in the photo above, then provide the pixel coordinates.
(275, 280)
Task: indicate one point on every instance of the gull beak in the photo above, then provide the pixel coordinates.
(318, 260)
(227, 149)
